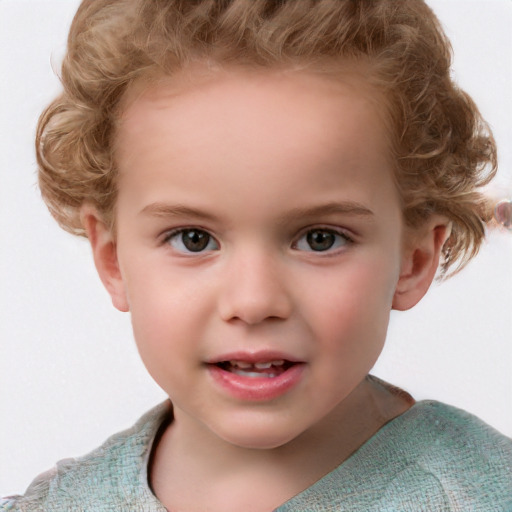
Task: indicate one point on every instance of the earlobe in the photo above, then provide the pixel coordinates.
(105, 256)
(420, 264)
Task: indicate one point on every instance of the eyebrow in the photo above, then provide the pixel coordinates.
(176, 210)
(332, 208)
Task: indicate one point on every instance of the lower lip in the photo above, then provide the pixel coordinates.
(257, 388)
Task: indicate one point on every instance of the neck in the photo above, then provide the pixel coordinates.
(191, 463)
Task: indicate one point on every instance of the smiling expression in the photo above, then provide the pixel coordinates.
(259, 241)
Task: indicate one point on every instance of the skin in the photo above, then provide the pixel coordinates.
(255, 161)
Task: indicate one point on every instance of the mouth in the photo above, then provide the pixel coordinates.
(256, 377)
(263, 369)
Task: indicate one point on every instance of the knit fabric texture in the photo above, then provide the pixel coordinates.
(432, 458)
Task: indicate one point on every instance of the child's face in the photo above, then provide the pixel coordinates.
(257, 222)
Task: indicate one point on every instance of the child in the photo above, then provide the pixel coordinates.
(261, 182)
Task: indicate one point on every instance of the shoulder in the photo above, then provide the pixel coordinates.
(441, 447)
(437, 430)
(433, 457)
(109, 477)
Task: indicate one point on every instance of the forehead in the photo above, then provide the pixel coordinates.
(284, 126)
(212, 81)
(261, 97)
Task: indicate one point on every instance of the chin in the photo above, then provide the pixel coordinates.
(260, 443)
(254, 437)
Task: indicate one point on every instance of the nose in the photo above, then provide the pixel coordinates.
(254, 290)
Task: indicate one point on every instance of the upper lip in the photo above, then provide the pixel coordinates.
(260, 356)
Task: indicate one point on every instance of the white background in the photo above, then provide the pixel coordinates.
(69, 371)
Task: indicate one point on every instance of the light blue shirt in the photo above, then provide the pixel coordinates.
(433, 458)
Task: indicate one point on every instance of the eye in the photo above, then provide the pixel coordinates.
(321, 240)
(191, 240)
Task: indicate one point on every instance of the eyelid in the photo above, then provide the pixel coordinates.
(345, 232)
(167, 235)
(342, 232)
(170, 232)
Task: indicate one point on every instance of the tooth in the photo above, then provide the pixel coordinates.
(278, 362)
(263, 366)
(241, 364)
(244, 373)
(259, 375)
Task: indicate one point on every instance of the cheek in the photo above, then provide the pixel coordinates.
(362, 289)
(154, 307)
(163, 336)
(353, 311)
(169, 312)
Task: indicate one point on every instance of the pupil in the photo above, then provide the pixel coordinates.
(320, 240)
(195, 241)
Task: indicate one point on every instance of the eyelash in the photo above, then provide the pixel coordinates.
(341, 236)
(180, 231)
(341, 239)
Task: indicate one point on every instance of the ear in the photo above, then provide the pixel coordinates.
(420, 263)
(104, 251)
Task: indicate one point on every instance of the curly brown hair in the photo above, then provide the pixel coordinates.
(444, 150)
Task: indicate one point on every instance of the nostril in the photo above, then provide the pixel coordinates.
(252, 311)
